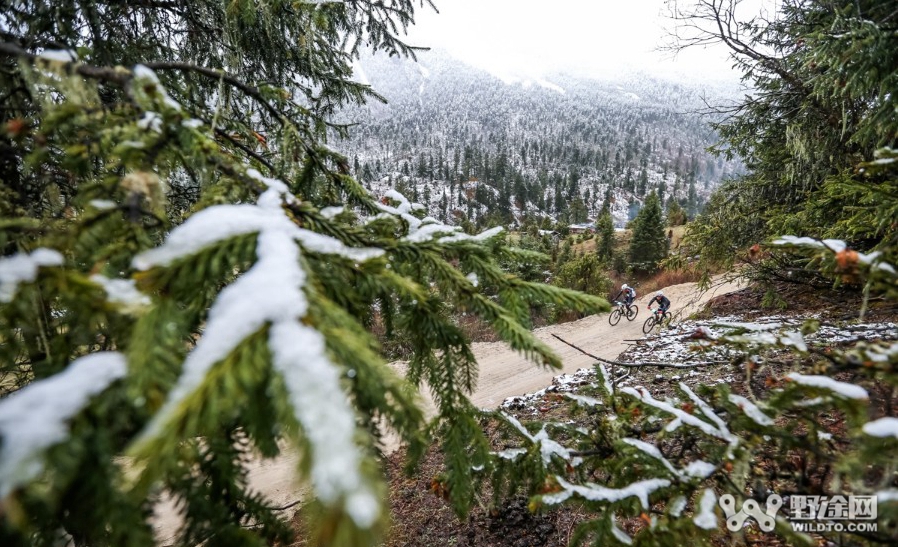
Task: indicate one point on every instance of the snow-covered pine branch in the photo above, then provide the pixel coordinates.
(37, 417)
(272, 295)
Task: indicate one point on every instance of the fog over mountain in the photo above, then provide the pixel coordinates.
(472, 146)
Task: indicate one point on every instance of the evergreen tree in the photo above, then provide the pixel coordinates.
(643, 183)
(188, 275)
(649, 244)
(605, 237)
(577, 211)
(584, 273)
(826, 81)
(692, 204)
(676, 216)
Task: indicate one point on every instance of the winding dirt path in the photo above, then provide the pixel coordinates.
(503, 373)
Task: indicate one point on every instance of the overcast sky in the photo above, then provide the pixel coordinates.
(538, 37)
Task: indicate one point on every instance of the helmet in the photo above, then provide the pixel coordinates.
(659, 293)
(625, 286)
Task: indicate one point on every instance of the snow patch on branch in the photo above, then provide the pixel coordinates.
(696, 469)
(547, 447)
(606, 379)
(279, 187)
(23, 268)
(594, 492)
(794, 339)
(652, 451)
(584, 400)
(482, 236)
(751, 410)
(511, 453)
(223, 222)
(143, 72)
(834, 245)
(842, 389)
(883, 427)
(704, 407)
(619, 534)
(36, 417)
(331, 212)
(644, 396)
(150, 121)
(705, 518)
(102, 204)
(699, 469)
(327, 418)
(59, 55)
(801, 241)
(122, 292)
(677, 506)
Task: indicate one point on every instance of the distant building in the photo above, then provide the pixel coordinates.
(582, 228)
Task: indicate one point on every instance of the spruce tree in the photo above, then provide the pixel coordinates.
(649, 244)
(825, 81)
(676, 216)
(189, 276)
(605, 237)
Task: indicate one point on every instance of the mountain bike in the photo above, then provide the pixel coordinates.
(622, 310)
(657, 319)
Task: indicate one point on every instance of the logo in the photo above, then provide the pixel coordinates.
(750, 508)
(806, 513)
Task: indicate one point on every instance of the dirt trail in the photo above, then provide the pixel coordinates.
(503, 373)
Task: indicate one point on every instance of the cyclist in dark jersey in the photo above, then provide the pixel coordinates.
(629, 294)
(663, 301)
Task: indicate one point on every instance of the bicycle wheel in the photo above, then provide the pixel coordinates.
(614, 318)
(648, 325)
(665, 320)
(631, 313)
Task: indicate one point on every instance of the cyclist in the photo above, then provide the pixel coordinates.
(663, 301)
(629, 295)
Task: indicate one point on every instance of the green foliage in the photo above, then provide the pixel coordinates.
(676, 215)
(172, 209)
(649, 244)
(730, 222)
(605, 237)
(585, 273)
(825, 78)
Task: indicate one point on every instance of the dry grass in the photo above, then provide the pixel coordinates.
(667, 278)
(622, 241)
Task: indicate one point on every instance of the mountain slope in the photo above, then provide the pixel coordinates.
(472, 146)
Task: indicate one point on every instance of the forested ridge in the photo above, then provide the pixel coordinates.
(471, 146)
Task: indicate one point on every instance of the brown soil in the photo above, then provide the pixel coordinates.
(421, 517)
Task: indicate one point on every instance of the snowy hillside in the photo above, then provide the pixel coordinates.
(472, 146)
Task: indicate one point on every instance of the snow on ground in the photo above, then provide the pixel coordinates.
(694, 342)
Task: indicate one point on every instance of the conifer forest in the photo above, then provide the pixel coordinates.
(280, 273)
